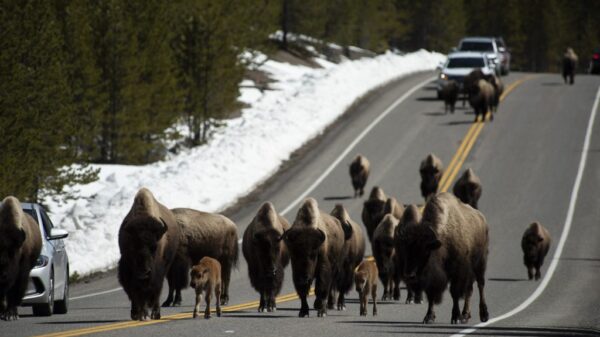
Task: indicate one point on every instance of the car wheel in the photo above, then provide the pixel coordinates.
(45, 309)
(62, 306)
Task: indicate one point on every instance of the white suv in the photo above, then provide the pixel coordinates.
(490, 47)
(460, 64)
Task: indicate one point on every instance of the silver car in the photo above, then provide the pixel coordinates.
(48, 287)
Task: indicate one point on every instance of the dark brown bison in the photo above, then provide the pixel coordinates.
(359, 172)
(148, 241)
(202, 234)
(205, 277)
(385, 256)
(316, 245)
(481, 98)
(431, 171)
(535, 244)
(449, 246)
(410, 217)
(498, 86)
(266, 254)
(469, 82)
(373, 210)
(393, 207)
(353, 253)
(569, 65)
(20, 246)
(468, 188)
(450, 95)
(365, 278)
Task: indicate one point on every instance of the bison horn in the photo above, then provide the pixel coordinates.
(347, 230)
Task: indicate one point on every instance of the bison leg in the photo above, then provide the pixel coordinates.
(322, 286)
(430, 315)
(483, 310)
(396, 282)
(271, 302)
(455, 309)
(207, 297)
(466, 312)
(155, 314)
(225, 277)
(530, 272)
(197, 305)
(341, 302)
(362, 295)
(331, 299)
(262, 303)
(303, 293)
(218, 299)
(538, 272)
(374, 298)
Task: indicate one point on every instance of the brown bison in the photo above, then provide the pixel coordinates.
(469, 82)
(205, 277)
(354, 251)
(202, 234)
(450, 95)
(266, 254)
(20, 246)
(449, 246)
(431, 171)
(359, 172)
(410, 217)
(569, 64)
(468, 188)
(498, 90)
(393, 207)
(316, 245)
(535, 244)
(373, 210)
(148, 241)
(385, 255)
(365, 278)
(481, 98)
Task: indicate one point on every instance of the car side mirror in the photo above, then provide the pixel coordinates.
(57, 234)
(502, 49)
(454, 49)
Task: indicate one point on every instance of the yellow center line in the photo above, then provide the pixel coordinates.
(455, 164)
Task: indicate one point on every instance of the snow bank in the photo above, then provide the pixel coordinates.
(240, 156)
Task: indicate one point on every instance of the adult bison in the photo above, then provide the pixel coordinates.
(468, 188)
(535, 244)
(352, 255)
(316, 245)
(148, 241)
(385, 255)
(202, 234)
(431, 171)
(373, 210)
(481, 98)
(569, 64)
(410, 217)
(20, 246)
(449, 246)
(469, 81)
(359, 173)
(449, 93)
(266, 254)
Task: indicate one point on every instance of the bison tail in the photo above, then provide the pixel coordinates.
(235, 254)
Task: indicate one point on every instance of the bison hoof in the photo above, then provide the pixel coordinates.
(303, 313)
(206, 316)
(484, 315)
(429, 319)
(194, 315)
(374, 312)
(321, 313)
(261, 309)
(155, 315)
(9, 315)
(538, 275)
(409, 301)
(341, 307)
(224, 299)
(218, 312)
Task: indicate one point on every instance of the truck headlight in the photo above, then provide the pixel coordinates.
(443, 76)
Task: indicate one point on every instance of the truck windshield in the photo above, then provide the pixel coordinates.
(467, 62)
(476, 46)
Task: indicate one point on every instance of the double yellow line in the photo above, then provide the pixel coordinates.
(448, 177)
(467, 143)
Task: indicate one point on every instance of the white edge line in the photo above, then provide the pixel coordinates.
(563, 237)
(324, 175)
(95, 294)
(354, 143)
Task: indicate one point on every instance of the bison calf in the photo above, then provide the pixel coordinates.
(468, 188)
(450, 95)
(365, 279)
(266, 254)
(205, 277)
(535, 244)
(20, 246)
(431, 171)
(359, 172)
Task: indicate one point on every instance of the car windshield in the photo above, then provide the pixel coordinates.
(476, 46)
(466, 62)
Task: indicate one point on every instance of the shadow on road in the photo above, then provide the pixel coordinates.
(340, 197)
(497, 279)
(552, 84)
(436, 113)
(99, 321)
(428, 99)
(459, 122)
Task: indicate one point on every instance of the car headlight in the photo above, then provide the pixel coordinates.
(443, 76)
(41, 262)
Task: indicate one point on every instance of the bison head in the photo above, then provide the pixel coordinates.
(304, 246)
(10, 251)
(199, 276)
(375, 210)
(417, 243)
(143, 236)
(360, 280)
(268, 244)
(530, 245)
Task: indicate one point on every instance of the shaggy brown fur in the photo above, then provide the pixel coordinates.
(468, 188)
(365, 278)
(481, 97)
(450, 246)
(469, 82)
(373, 210)
(385, 255)
(354, 251)
(569, 64)
(202, 234)
(450, 95)
(431, 171)
(498, 90)
(20, 246)
(535, 244)
(148, 241)
(359, 172)
(316, 245)
(410, 217)
(205, 277)
(393, 207)
(266, 254)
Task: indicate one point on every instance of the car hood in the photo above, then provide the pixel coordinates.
(463, 71)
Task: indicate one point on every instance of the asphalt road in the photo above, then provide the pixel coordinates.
(528, 159)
